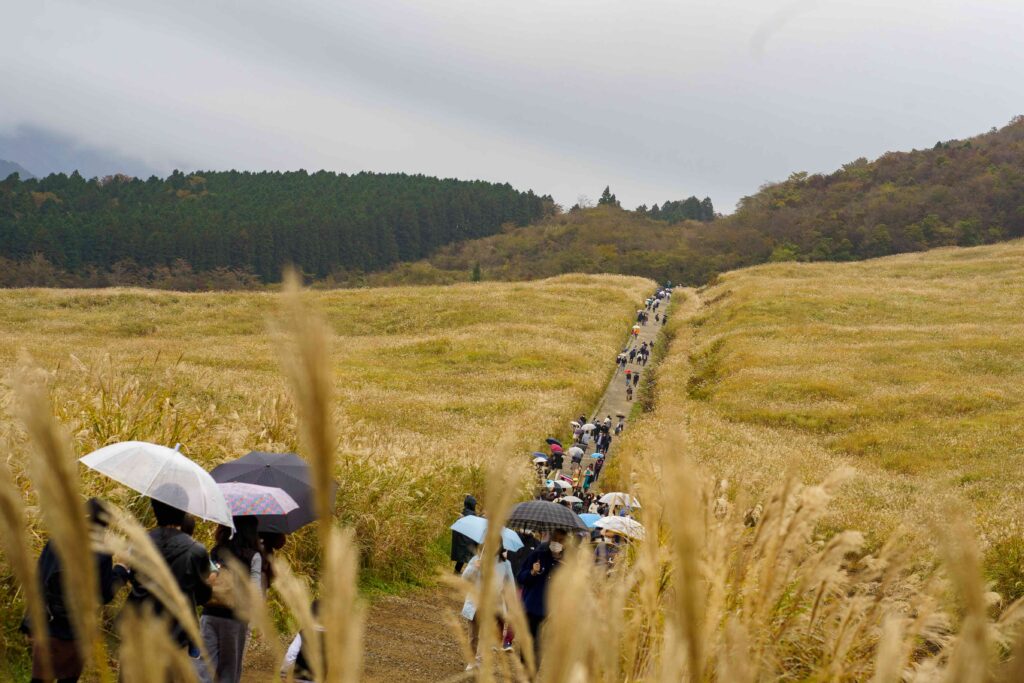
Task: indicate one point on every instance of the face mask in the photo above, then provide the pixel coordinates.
(556, 547)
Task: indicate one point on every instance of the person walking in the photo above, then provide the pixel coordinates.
(636, 378)
(61, 646)
(473, 575)
(187, 560)
(535, 577)
(588, 478)
(224, 631)
(462, 546)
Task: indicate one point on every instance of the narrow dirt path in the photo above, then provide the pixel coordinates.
(614, 401)
(409, 638)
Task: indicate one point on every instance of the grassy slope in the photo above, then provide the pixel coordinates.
(431, 382)
(907, 368)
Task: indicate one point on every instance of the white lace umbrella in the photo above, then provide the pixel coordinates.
(618, 498)
(163, 474)
(622, 525)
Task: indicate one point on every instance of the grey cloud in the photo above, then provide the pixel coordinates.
(659, 98)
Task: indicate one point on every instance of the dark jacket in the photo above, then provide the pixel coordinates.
(189, 563)
(462, 546)
(50, 575)
(530, 544)
(535, 588)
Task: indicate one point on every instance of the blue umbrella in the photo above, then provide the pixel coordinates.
(538, 454)
(590, 519)
(475, 528)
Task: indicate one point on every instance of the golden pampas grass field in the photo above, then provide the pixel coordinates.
(826, 456)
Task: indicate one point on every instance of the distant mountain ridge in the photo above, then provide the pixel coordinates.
(9, 167)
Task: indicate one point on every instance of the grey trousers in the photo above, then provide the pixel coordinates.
(225, 641)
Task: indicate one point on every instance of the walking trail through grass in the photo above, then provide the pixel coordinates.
(409, 637)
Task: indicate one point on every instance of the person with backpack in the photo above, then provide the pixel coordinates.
(61, 645)
(224, 631)
(187, 560)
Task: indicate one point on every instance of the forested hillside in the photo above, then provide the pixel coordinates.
(252, 223)
(961, 192)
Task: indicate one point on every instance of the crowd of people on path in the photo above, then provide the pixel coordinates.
(569, 478)
(259, 499)
(247, 541)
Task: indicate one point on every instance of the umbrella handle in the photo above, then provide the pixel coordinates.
(177, 448)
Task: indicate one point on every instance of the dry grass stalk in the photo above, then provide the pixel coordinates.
(147, 653)
(296, 596)
(55, 479)
(16, 546)
(341, 610)
(306, 360)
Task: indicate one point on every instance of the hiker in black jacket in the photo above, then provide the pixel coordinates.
(187, 559)
(65, 662)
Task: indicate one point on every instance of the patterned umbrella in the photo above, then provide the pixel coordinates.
(540, 515)
(255, 500)
(285, 471)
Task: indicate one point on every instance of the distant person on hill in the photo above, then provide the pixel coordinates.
(664, 319)
(632, 354)
(629, 393)
(620, 426)
(61, 645)
(636, 378)
(629, 377)
(462, 546)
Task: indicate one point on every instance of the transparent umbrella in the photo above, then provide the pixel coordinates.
(163, 474)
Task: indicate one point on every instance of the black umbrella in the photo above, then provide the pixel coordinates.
(553, 441)
(540, 515)
(286, 471)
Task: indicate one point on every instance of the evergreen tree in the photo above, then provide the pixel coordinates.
(607, 198)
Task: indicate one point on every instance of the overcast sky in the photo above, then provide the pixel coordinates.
(658, 98)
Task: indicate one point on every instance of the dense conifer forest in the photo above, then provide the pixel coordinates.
(252, 224)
